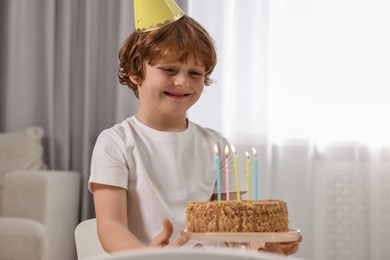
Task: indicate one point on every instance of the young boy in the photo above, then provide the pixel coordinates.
(145, 169)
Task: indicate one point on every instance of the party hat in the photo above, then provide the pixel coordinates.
(152, 14)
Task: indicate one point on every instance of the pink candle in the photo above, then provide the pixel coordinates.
(218, 172)
(227, 173)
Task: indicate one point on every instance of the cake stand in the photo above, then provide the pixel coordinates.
(244, 239)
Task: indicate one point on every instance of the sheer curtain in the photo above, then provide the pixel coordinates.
(307, 84)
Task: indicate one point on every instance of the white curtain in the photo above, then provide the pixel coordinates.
(307, 84)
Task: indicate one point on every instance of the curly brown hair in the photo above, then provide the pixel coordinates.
(173, 42)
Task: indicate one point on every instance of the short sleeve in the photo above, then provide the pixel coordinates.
(108, 163)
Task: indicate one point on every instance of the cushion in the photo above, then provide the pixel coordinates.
(21, 150)
(22, 239)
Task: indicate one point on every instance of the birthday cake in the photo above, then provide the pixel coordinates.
(237, 216)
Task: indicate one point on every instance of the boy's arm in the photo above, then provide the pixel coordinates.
(111, 216)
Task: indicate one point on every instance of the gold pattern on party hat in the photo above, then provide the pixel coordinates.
(152, 14)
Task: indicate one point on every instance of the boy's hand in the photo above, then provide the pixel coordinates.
(283, 248)
(162, 239)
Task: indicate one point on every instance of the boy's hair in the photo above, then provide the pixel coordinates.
(173, 42)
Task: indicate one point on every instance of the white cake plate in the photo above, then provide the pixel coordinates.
(263, 237)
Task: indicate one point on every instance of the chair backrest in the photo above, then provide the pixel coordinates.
(87, 241)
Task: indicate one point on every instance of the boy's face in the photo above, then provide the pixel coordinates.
(169, 89)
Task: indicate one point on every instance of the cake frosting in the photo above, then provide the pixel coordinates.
(237, 216)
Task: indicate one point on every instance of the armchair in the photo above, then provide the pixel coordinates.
(39, 208)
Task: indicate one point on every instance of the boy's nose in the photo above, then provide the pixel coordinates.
(182, 80)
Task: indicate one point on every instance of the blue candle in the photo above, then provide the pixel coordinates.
(256, 174)
(218, 172)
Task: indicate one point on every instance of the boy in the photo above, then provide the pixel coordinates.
(145, 169)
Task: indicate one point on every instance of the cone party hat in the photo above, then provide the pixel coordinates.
(152, 14)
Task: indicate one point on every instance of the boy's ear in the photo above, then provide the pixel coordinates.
(135, 80)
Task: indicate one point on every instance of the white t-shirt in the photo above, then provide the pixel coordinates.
(161, 171)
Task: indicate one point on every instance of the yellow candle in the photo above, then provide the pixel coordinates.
(237, 173)
(227, 173)
(248, 176)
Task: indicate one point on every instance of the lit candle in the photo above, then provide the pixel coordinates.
(248, 176)
(256, 174)
(218, 172)
(227, 172)
(237, 174)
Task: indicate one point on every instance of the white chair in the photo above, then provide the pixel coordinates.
(87, 240)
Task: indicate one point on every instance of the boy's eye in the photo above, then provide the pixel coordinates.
(169, 70)
(196, 74)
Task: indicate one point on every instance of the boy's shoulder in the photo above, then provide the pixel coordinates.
(207, 131)
(120, 129)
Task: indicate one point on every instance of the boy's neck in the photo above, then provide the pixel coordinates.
(164, 124)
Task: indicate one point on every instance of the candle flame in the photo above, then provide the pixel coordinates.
(227, 151)
(233, 149)
(254, 151)
(216, 149)
(247, 154)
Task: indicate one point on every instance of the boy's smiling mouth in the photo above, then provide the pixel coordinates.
(177, 95)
